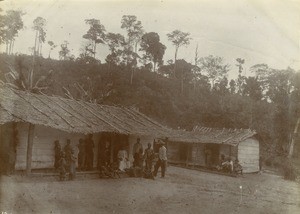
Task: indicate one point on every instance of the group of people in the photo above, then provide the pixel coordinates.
(65, 158)
(148, 156)
(228, 165)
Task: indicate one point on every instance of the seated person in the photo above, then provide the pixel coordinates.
(227, 166)
(123, 160)
(237, 167)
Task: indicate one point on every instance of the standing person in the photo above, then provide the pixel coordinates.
(68, 151)
(57, 154)
(137, 153)
(162, 160)
(81, 154)
(148, 156)
(89, 146)
(72, 165)
(62, 166)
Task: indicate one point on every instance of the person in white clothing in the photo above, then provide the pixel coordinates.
(162, 160)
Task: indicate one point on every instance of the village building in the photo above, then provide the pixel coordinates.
(30, 123)
(209, 144)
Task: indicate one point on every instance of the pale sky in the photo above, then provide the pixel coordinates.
(260, 31)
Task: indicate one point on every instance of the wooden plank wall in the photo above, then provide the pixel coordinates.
(7, 153)
(248, 155)
(43, 145)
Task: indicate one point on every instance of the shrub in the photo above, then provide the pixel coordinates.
(289, 171)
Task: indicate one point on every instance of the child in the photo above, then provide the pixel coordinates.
(62, 167)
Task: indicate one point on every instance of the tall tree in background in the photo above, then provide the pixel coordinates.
(40, 34)
(95, 34)
(241, 78)
(134, 30)
(11, 23)
(115, 42)
(154, 49)
(214, 68)
(64, 52)
(178, 38)
(52, 46)
(2, 28)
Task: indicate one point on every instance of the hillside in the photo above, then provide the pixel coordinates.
(169, 100)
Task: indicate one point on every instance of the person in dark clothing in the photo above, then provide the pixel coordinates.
(148, 156)
(57, 154)
(89, 146)
(68, 151)
(137, 153)
(81, 154)
(72, 170)
(62, 167)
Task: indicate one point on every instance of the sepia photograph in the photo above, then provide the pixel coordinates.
(149, 106)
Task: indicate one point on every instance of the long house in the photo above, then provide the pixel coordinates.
(30, 123)
(212, 144)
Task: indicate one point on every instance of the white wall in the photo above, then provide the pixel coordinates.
(248, 155)
(43, 145)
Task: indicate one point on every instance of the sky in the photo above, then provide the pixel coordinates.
(259, 31)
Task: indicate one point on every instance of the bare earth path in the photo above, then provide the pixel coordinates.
(182, 191)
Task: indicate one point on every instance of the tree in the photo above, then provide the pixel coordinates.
(52, 46)
(134, 30)
(252, 88)
(115, 42)
(95, 34)
(64, 53)
(178, 38)
(154, 49)
(40, 35)
(10, 25)
(214, 68)
(232, 85)
(241, 78)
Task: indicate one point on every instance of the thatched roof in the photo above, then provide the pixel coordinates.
(223, 136)
(74, 116)
(213, 135)
(83, 117)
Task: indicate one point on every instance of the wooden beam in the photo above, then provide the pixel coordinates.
(29, 148)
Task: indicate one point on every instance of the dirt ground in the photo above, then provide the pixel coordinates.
(182, 191)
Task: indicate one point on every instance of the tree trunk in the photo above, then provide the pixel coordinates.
(181, 85)
(131, 77)
(176, 51)
(41, 44)
(29, 148)
(95, 50)
(35, 42)
(291, 149)
(6, 50)
(9, 51)
(154, 66)
(12, 47)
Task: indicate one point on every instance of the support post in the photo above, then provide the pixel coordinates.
(29, 148)
(291, 148)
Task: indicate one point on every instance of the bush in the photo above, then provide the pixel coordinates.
(289, 171)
